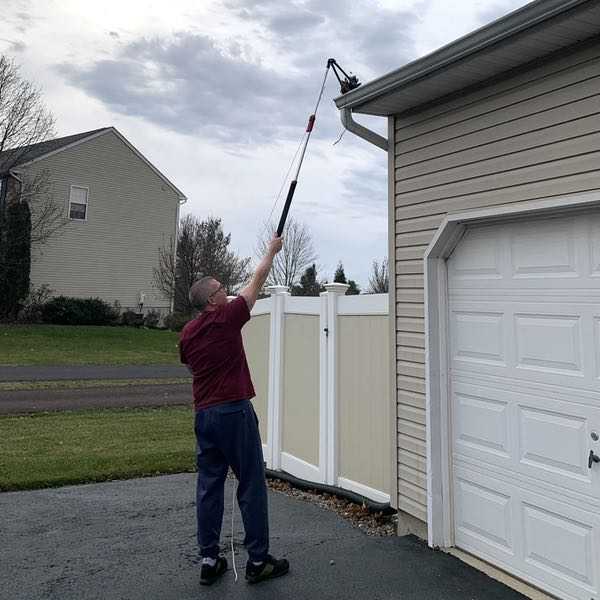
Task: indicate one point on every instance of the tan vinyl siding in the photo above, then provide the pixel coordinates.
(131, 213)
(534, 135)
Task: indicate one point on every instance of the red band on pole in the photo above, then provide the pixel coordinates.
(311, 122)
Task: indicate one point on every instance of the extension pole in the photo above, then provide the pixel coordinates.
(294, 182)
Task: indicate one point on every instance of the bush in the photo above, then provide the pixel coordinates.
(152, 319)
(31, 312)
(176, 320)
(64, 310)
(129, 318)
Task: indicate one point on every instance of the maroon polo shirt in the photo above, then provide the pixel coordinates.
(211, 345)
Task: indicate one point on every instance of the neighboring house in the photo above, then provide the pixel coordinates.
(119, 210)
(494, 230)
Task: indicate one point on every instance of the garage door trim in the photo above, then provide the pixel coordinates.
(449, 234)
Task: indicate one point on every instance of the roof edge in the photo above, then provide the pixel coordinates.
(501, 29)
(182, 197)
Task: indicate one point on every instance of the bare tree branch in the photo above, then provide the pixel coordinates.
(379, 281)
(24, 120)
(297, 255)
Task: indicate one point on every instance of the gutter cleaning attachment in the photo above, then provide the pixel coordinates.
(347, 83)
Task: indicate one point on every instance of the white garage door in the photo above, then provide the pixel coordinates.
(524, 300)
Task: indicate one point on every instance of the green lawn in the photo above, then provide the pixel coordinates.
(22, 345)
(53, 449)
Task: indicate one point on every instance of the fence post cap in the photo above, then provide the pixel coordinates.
(277, 290)
(336, 288)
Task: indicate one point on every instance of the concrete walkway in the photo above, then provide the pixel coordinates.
(92, 372)
(135, 540)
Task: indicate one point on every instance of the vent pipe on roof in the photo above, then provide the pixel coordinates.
(366, 134)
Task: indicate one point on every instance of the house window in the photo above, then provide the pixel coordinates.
(78, 202)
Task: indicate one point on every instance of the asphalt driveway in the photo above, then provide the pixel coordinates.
(131, 540)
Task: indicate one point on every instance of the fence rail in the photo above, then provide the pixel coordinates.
(321, 372)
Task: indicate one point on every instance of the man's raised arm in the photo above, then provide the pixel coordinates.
(251, 291)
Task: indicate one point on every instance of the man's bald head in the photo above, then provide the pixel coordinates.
(201, 291)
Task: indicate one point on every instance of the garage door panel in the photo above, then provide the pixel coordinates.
(554, 441)
(482, 424)
(596, 334)
(594, 245)
(572, 558)
(561, 544)
(549, 342)
(532, 257)
(483, 514)
(479, 257)
(478, 337)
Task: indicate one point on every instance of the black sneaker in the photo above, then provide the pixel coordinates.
(208, 574)
(266, 570)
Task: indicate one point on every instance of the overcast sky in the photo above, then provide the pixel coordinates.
(217, 93)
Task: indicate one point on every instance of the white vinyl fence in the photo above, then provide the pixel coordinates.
(321, 371)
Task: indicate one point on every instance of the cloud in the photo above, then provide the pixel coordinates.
(196, 84)
(15, 46)
(365, 187)
(496, 10)
(189, 84)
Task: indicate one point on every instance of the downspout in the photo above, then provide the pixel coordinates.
(366, 134)
(374, 138)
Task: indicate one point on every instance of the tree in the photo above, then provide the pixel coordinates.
(379, 281)
(16, 252)
(354, 289)
(309, 286)
(340, 277)
(202, 249)
(24, 120)
(296, 255)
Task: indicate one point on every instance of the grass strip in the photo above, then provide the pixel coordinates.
(53, 449)
(78, 384)
(35, 345)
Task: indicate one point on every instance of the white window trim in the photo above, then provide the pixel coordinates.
(87, 205)
(439, 448)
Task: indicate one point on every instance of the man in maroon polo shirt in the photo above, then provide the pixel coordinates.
(226, 425)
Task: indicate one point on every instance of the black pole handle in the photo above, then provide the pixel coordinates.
(286, 207)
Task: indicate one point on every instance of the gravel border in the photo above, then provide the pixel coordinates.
(370, 523)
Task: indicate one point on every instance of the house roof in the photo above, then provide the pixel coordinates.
(25, 155)
(532, 32)
(17, 156)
